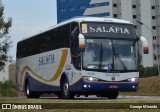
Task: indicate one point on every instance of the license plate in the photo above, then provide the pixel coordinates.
(113, 87)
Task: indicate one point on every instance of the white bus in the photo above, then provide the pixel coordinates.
(81, 56)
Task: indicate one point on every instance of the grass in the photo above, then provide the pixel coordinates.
(147, 87)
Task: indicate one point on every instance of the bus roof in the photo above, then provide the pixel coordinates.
(83, 19)
(96, 19)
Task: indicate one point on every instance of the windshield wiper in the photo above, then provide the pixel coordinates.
(118, 57)
(100, 57)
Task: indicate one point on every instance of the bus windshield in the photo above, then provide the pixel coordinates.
(110, 46)
(107, 54)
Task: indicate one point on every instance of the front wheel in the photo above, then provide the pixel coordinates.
(65, 93)
(113, 94)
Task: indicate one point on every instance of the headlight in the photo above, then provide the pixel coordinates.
(92, 79)
(133, 80)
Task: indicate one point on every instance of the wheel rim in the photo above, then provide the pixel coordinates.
(27, 91)
(66, 89)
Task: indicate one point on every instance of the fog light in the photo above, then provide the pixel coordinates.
(85, 86)
(133, 87)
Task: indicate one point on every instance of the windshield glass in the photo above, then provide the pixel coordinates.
(125, 56)
(107, 54)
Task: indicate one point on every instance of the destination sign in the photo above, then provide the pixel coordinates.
(111, 30)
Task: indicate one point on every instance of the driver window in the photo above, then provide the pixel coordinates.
(75, 45)
(90, 53)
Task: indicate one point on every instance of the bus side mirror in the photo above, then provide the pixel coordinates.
(145, 45)
(81, 43)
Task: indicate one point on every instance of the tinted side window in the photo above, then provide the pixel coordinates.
(47, 41)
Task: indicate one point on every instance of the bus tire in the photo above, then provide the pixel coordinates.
(29, 93)
(113, 94)
(65, 93)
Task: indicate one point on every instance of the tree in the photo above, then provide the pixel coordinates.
(5, 42)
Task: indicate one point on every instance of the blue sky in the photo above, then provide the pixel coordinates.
(29, 18)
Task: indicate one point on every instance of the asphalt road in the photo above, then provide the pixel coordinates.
(92, 98)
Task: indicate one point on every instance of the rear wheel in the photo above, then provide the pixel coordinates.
(113, 94)
(29, 93)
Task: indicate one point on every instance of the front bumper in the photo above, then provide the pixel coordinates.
(87, 86)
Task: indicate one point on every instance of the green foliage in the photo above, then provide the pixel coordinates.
(148, 72)
(5, 42)
(7, 89)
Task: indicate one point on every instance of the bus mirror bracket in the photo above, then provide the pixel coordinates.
(145, 45)
(81, 43)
